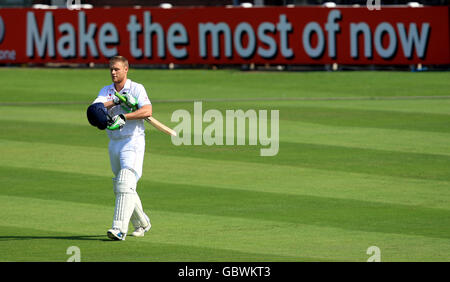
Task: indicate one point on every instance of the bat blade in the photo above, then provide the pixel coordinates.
(160, 126)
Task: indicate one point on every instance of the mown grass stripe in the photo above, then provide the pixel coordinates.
(93, 217)
(262, 238)
(369, 118)
(265, 238)
(370, 161)
(405, 106)
(346, 117)
(257, 99)
(435, 143)
(197, 84)
(328, 157)
(321, 211)
(292, 131)
(51, 246)
(81, 224)
(233, 174)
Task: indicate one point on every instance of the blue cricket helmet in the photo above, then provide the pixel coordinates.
(97, 115)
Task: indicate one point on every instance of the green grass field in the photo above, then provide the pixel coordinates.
(350, 173)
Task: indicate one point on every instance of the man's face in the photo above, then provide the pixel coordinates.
(118, 72)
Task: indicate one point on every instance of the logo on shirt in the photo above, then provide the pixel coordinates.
(110, 93)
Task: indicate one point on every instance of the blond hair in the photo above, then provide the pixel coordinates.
(121, 59)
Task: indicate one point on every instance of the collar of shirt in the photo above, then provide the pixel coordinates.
(126, 88)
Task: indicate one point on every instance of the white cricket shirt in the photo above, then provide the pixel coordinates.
(131, 127)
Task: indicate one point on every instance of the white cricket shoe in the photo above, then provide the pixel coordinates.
(139, 232)
(116, 234)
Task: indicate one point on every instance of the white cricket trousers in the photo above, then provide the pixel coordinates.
(127, 153)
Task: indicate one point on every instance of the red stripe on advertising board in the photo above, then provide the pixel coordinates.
(219, 35)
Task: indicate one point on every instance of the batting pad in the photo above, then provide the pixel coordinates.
(125, 190)
(138, 218)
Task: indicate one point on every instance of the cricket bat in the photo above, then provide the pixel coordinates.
(153, 121)
(160, 126)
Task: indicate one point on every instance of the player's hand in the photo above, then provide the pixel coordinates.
(116, 100)
(131, 104)
(117, 122)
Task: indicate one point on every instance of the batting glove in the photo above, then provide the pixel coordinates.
(131, 103)
(117, 122)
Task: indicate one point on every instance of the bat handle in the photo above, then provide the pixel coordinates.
(118, 95)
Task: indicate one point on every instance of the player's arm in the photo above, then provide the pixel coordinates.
(109, 104)
(103, 98)
(114, 102)
(141, 113)
(119, 121)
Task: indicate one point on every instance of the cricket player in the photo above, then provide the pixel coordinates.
(125, 128)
